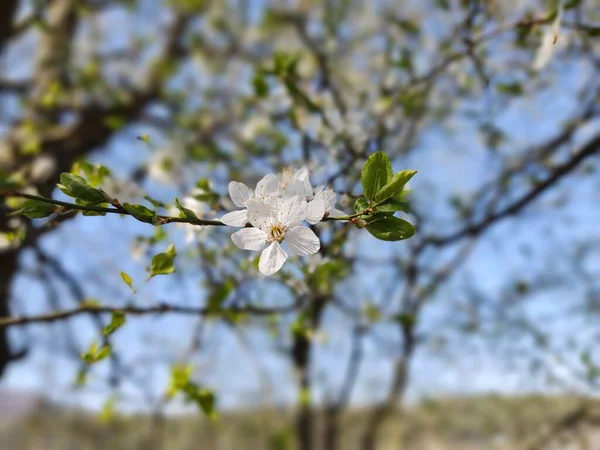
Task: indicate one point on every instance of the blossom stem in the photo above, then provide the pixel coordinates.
(161, 219)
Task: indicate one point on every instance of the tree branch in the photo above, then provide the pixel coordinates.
(560, 171)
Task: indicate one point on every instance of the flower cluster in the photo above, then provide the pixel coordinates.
(277, 209)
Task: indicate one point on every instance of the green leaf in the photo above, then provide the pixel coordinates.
(154, 202)
(571, 4)
(443, 4)
(261, 87)
(513, 89)
(375, 174)
(361, 204)
(392, 205)
(95, 173)
(162, 264)
(117, 321)
(94, 354)
(35, 209)
(8, 183)
(406, 320)
(78, 187)
(140, 212)
(128, 281)
(185, 212)
(394, 186)
(391, 229)
(204, 398)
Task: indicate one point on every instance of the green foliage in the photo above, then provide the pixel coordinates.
(117, 321)
(162, 264)
(141, 213)
(128, 281)
(406, 320)
(383, 197)
(95, 173)
(375, 174)
(391, 228)
(95, 353)
(260, 84)
(181, 383)
(392, 205)
(35, 209)
(394, 185)
(9, 182)
(79, 188)
(514, 88)
(185, 212)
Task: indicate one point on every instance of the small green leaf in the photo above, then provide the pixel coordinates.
(94, 354)
(361, 204)
(513, 89)
(162, 264)
(261, 87)
(206, 400)
(185, 212)
(34, 209)
(140, 212)
(78, 187)
(117, 321)
(154, 202)
(406, 320)
(391, 229)
(443, 4)
(392, 205)
(128, 281)
(375, 174)
(394, 186)
(8, 183)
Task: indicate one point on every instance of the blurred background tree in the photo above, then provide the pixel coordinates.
(495, 103)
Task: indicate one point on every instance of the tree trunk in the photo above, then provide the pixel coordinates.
(7, 268)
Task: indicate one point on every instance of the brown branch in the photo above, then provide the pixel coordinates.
(559, 172)
(162, 308)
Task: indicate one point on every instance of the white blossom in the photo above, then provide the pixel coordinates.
(267, 187)
(272, 224)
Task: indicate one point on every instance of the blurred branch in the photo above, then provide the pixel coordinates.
(161, 308)
(558, 173)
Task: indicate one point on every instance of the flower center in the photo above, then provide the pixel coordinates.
(277, 232)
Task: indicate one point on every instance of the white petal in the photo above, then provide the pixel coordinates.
(301, 174)
(269, 185)
(546, 49)
(302, 241)
(337, 213)
(292, 211)
(239, 193)
(315, 211)
(249, 239)
(296, 187)
(259, 213)
(327, 195)
(235, 218)
(271, 259)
